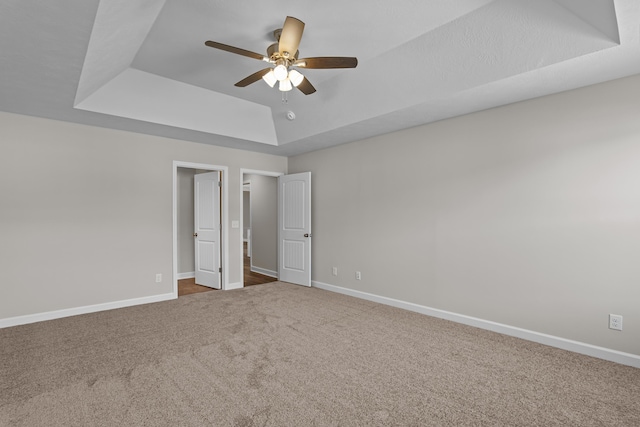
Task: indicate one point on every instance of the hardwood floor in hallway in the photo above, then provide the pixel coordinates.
(251, 278)
(189, 286)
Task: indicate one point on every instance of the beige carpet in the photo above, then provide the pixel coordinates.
(283, 355)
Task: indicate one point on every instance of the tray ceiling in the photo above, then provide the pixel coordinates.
(143, 66)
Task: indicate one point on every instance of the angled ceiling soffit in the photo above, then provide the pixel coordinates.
(109, 85)
(119, 30)
(494, 43)
(601, 14)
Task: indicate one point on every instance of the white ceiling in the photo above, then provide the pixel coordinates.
(142, 66)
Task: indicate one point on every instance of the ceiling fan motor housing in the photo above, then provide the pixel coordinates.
(273, 52)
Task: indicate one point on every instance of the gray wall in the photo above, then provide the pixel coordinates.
(526, 215)
(264, 222)
(86, 212)
(246, 210)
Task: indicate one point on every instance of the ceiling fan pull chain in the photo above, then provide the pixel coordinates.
(285, 99)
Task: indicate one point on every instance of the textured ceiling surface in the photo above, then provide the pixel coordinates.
(142, 66)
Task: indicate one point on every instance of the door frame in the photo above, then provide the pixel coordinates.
(242, 174)
(224, 219)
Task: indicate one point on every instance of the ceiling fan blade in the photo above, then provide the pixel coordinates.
(235, 50)
(327, 62)
(253, 77)
(290, 36)
(306, 87)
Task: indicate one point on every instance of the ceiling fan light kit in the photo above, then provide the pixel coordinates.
(280, 72)
(285, 85)
(270, 78)
(296, 77)
(280, 54)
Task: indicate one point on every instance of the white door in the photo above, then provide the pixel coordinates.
(207, 229)
(294, 228)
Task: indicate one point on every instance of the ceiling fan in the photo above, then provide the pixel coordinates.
(284, 55)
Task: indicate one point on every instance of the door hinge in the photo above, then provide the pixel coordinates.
(220, 270)
(219, 183)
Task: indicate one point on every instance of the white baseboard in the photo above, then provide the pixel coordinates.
(230, 286)
(550, 340)
(264, 271)
(187, 275)
(57, 314)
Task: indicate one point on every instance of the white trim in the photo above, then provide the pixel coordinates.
(244, 171)
(187, 275)
(236, 285)
(264, 271)
(224, 218)
(550, 340)
(50, 315)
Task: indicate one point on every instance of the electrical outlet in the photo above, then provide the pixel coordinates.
(615, 322)
(334, 271)
(358, 275)
(158, 278)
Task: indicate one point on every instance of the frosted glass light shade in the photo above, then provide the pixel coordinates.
(285, 85)
(295, 77)
(280, 72)
(270, 78)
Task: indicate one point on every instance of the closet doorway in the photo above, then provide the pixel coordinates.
(185, 241)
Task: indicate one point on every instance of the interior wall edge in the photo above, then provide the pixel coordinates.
(75, 311)
(513, 331)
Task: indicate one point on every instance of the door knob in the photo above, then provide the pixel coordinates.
(195, 234)
(307, 235)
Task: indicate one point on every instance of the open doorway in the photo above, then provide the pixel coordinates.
(185, 236)
(259, 226)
